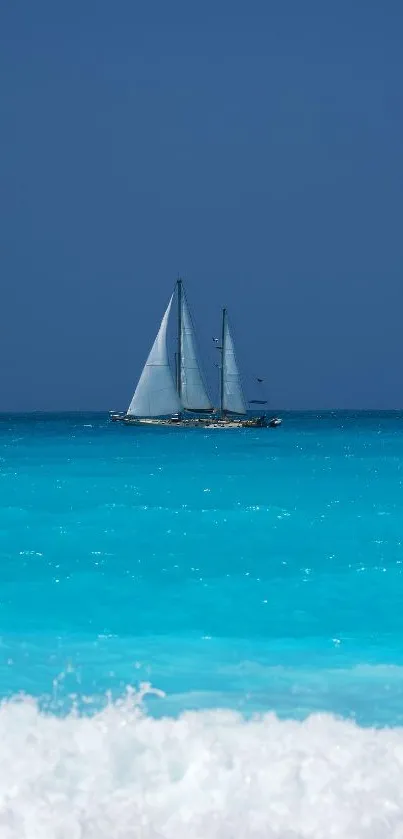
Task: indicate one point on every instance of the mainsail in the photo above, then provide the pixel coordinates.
(155, 394)
(193, 393)
(232, 398)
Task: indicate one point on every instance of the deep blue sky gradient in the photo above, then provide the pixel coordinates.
(254, 147)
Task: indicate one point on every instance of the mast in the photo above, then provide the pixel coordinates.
(224, 318)
(179, 353)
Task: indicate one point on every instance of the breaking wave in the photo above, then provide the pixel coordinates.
(121, 774)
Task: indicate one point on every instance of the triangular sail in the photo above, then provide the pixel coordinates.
(194, 396)
(233, 399)
(155, 394)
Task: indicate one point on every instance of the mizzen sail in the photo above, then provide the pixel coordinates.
(156, 394)
(232, 398)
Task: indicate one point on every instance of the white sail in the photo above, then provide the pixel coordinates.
(232, 397)
(194, 396)
(155, 394)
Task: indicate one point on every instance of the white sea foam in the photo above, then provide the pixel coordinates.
(207, 775)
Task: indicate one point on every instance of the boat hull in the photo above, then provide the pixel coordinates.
(198, 422)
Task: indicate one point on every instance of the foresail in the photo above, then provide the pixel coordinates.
(194, 396)
(233, 398)
(155, 394)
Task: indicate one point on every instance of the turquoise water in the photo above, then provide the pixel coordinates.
(255, 569)
(246, 570)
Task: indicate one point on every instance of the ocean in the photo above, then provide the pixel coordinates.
(201, 630)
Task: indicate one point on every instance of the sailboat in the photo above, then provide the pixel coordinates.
(164, 398)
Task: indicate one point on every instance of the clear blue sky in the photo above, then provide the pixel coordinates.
(256, 148)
